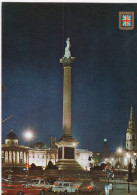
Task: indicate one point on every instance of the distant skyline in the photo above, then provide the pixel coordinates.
(104, 74)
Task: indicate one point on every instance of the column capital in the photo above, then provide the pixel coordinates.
(67, 61)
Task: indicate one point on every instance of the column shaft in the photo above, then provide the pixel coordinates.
(67, 101)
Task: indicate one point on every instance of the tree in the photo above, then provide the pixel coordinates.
(51, 166)
(33, 166)
(118, 165)
(96, 159)
(103, 166)
(108, 164)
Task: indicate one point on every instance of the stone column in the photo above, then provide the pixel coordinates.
(66, 142)
(15, 157)
(5, 157)
(24, 159)
(67, 61)
(19, 157)
(55, 158)
(28, 157)
(11, 157)
(14, 161)
(62, 152)
(2, 157)
(67, 101)
(46, 159)
(8, 157)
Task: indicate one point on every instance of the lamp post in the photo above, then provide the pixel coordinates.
(119, 151)
(130, 176)
(28, 135)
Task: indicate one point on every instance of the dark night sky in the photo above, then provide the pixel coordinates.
(104, 75)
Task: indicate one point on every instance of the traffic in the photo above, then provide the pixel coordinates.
(38, 185)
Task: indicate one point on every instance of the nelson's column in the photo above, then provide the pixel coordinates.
(67, 144)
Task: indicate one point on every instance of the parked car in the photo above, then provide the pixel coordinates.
(9, 183)
(24, 190)
(62, 186)
(40, 183)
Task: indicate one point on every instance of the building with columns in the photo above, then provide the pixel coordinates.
(131, 133)
(12, 153)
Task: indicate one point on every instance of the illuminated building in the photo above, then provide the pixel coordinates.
(12, 153)
(40, 154)
(82, 157)
(131, 133)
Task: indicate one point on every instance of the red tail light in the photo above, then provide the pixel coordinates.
(56, 184)
(88, 188)
(5, 192)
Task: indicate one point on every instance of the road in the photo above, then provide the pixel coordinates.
(118, 189)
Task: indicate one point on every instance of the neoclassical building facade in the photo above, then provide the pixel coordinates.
(40, 154)
(12, 153)
(15, 155)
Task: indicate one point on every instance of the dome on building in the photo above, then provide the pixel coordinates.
(39, 144)
(11, 135)
(11, 139)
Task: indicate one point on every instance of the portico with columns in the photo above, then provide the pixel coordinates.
(12, 153)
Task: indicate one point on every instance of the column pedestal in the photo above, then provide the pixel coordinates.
(67, 154)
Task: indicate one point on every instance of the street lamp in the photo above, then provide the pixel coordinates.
(74, 144)
(119, 150)
(130, 176)
(28, 135)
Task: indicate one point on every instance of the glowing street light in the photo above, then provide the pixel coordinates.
(28, 134)
(119, 150)
(128, 155)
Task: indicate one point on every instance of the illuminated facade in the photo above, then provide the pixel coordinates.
(82, 157)
(131, 134)
(40, 154)
(12, 153)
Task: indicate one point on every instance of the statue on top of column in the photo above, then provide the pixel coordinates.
(67, 49)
